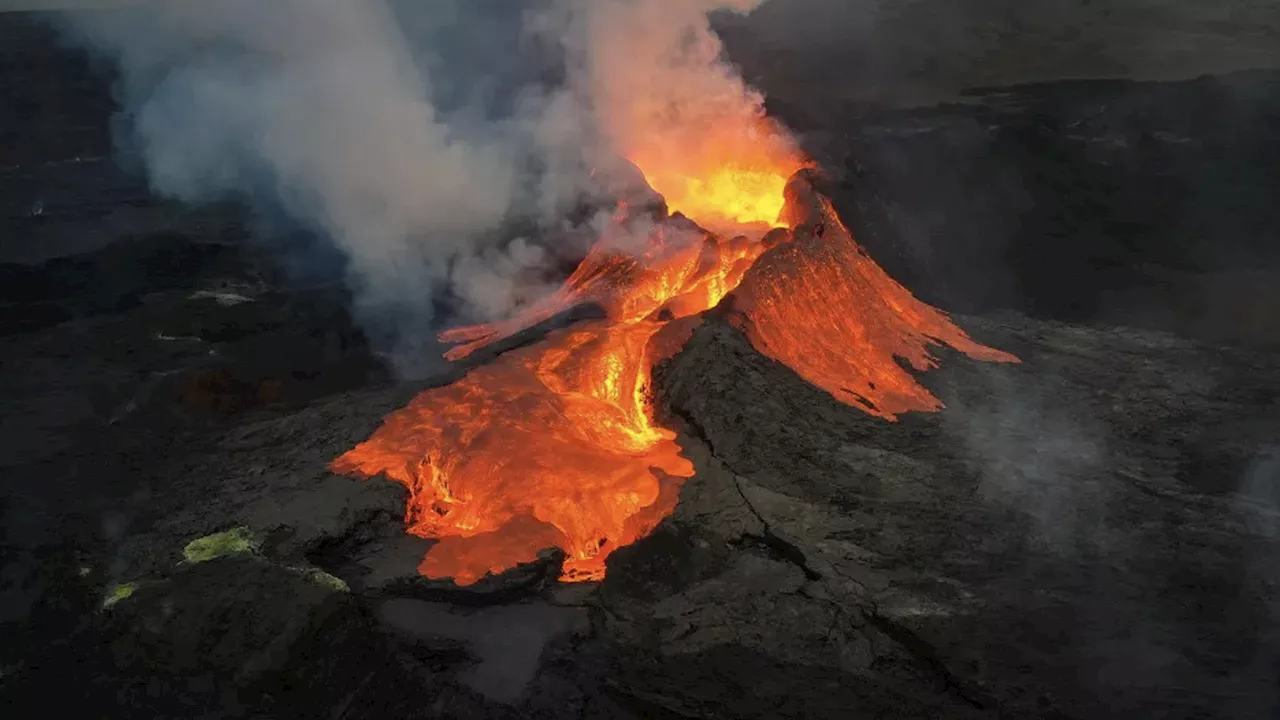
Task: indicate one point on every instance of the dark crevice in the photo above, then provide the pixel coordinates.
(649, 704)
(781, 548)
(333, 554)
(927, 655)
(515, 585)
(778, 547)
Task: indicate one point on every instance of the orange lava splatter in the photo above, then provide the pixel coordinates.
(555, 444)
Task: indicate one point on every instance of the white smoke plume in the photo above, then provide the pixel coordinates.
(331, 110)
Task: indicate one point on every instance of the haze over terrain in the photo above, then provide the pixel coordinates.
(945, 44)
(911, 51)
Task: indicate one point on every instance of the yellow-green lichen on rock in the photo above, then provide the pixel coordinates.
(324, 579)
(244, 541)
(117, 593)
(236, 541)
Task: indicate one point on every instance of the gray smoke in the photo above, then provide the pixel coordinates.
(414, 135)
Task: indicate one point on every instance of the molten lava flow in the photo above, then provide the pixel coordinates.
(549, 446)
(677, 266)
(555, 444)
(821, 306)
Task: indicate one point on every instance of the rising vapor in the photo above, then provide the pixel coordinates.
(352, 119)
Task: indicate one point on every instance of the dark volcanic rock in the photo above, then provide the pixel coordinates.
(1089, 534)
(1059, 541)
(229, 636)
(1136, 203)
(110, 280)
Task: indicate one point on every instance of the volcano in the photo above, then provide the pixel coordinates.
(556, 444)
(1090, 534)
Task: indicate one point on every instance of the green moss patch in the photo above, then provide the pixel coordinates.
(324, 579)
(236, 541)
(117, 593)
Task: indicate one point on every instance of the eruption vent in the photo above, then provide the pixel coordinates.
(732, 182)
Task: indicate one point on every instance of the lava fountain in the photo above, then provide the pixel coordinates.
(555, 444)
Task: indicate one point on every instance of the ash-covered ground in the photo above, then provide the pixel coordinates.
(1092, 533)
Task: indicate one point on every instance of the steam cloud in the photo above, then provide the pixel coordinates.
(354, 119)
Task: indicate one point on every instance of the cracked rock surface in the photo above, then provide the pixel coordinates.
(1069, 537)
(1089, 534)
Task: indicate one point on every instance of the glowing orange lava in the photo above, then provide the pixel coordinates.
(549, 446)
(733, 180)
(821, 306)
(555, 444)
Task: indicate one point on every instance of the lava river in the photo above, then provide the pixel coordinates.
(555, 444)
